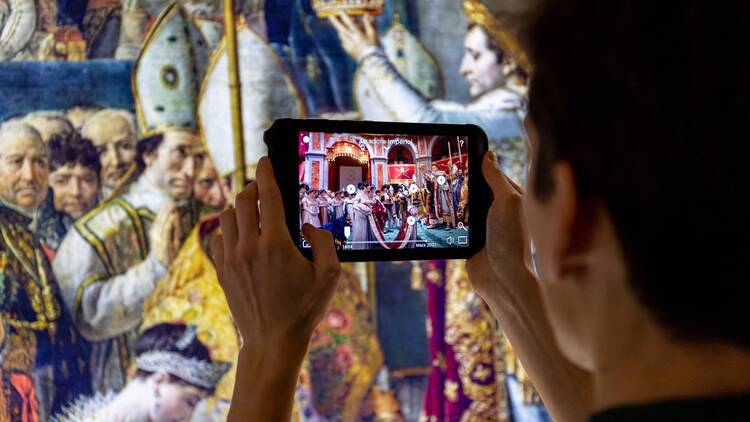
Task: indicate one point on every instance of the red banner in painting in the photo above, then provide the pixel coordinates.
(401, 173)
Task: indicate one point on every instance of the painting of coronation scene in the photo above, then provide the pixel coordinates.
(117, 154)
(421, 202)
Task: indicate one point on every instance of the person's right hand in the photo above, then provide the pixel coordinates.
(164, 235)
(355, 38)
(506, 259)
(276, 295)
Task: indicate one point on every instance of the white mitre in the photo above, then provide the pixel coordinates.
(168, 73)
(267, 93)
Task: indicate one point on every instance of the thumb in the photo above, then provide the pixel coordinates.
(500, 184)
(324, 250)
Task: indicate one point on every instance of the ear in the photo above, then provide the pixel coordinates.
(573, 219)
(509, 65)
(150, 157)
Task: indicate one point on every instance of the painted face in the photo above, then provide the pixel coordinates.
(23, 172)
(115, 141)
(175, 162)
(481, 67)
(175, 402)
(75, 188)
(208, 187)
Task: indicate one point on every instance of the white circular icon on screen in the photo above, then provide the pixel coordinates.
(413, 188)
(411, 220)
(441, 180)
(306, 139)
(351, 189)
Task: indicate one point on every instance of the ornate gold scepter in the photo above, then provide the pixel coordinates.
(235, 101)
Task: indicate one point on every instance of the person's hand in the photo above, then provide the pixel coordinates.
(165, 234)
(504, 262)
(276, 295)
(356, 36)
(132, 27)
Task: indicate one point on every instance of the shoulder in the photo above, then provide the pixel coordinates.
(500, 99)
(108, 216)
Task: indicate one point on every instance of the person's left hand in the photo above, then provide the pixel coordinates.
(356, 37)
(276, 295)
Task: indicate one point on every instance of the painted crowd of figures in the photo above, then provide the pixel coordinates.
(109, 303)
(365, 218)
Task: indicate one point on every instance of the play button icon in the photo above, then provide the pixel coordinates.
(351, 189)
(413, 188)
(441, 180)
(411, 220)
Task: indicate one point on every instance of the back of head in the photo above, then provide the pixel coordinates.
(49, 124)
(648, 102)
(109, 116)
(15, 129)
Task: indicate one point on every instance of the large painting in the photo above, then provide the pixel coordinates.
(117, 150)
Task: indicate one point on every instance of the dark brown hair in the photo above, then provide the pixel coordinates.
(494, 46)
(648, 102)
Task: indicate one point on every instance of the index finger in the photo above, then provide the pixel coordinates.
(350, 23)
(272, 216)
(338, 26)
(370, 27)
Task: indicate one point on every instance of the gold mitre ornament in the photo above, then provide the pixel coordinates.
(502, 20)
(326, 8)
(168, 73)
(267, 93)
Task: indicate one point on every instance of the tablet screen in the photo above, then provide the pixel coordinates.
(385, 191)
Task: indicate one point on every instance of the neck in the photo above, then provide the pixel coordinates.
(130, 404)
(151, 178)
(665, 369)
(31, 213)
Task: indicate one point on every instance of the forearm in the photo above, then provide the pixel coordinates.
(265, 383)
(564, 388)
(404, 102)
(114, 306)
(18, 27)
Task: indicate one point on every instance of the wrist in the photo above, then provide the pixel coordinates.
(275, 357)
(265, 382)
(512, 289)
(370, 50)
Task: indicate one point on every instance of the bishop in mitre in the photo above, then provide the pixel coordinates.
(191, 292)
(111, 261)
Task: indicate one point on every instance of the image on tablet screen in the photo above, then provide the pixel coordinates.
(385, 191)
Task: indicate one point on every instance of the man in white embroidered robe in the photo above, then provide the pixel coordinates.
(112, 259)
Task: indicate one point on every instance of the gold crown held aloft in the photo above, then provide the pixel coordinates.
(325, 8)
(500, 25)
